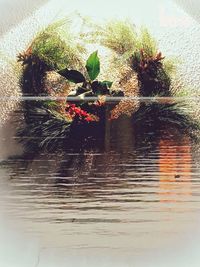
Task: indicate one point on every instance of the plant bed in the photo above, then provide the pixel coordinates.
(69, 107)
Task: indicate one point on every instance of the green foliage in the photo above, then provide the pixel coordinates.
(93, 65)
(50, 104)
(170, 65)
(146, 42)
(119, 36)
(158, 115)
(89, 87)
(57, 47)
(53, 48)
(72, 75)
(152, 77)
(139, 50)
(153, 70)
(44, 129)
(50, 124)
(123, 38)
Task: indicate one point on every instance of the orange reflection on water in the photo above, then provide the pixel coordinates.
(175, 166)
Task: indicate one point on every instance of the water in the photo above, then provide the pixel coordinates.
(134, 201)
(133, 194)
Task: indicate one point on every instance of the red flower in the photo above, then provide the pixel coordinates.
(80, 113)
(89, 119)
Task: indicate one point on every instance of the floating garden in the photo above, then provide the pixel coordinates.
(71, 94)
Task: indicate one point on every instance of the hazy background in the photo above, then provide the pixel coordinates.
(14, 11)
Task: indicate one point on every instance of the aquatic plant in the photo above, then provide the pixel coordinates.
(50, 123)
(64, 123)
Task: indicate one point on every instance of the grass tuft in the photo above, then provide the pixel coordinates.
(56, 46)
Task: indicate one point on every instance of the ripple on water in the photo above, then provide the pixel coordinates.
(134, 188)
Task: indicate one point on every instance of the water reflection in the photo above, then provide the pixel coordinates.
(138, 181)
(175, 167)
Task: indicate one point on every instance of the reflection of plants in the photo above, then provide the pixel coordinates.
(52, 124)
(48, 128)
(156, 115)
(44, 129)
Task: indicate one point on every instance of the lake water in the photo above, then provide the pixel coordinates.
(132, 197)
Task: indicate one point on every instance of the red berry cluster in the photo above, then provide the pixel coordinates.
(75, 111)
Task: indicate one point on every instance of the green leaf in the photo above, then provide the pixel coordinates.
(107, 83)
(93, 65)
(72, 75)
